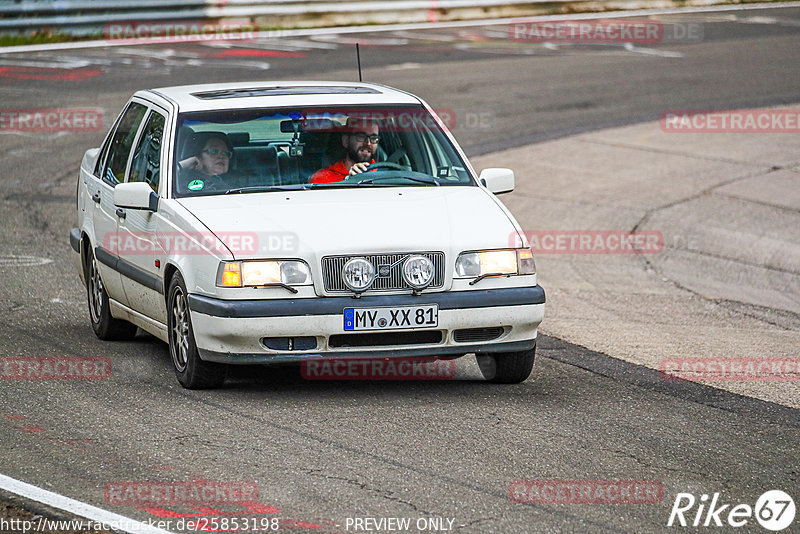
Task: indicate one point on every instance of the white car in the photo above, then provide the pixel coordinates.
(298, 220)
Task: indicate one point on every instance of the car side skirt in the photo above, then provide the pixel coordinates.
(151, 326)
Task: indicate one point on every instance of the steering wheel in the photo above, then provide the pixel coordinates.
(385, 164)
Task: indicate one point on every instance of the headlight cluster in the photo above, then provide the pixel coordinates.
(359, 274)
(263, 273)
(495, 262)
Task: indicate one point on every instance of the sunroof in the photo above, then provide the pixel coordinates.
(283, 91)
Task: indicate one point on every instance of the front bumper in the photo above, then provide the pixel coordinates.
(230, 331)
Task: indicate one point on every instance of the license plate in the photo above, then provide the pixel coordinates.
(396, 318)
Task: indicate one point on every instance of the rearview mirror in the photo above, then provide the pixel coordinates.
(136, 195)
(498, 180)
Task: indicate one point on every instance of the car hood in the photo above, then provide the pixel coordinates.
(317, 223)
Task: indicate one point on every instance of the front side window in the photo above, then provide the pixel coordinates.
(121, 143)
(146, 163)
(101, 158)
(255, 150)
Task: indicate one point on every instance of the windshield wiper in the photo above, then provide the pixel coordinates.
(334, 185)
(265, 188)
(420, 179)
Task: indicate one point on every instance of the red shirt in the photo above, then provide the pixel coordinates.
(335, 173)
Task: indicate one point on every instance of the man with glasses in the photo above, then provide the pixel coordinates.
(360, 143)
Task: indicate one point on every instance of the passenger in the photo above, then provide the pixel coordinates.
(208, 168)
(360, 143)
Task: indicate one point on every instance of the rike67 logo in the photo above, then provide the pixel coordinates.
(774, 510)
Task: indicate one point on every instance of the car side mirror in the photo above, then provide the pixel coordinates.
(136, 195)
(498, 180)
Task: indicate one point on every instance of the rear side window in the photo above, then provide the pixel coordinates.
(121, 143)
(147, 156)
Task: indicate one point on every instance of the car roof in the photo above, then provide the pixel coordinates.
(281, 94)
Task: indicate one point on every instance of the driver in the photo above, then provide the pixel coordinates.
(360, 143)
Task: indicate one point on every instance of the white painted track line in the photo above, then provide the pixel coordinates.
(279, 34)
(115, 521)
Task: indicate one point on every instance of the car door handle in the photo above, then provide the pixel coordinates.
(96, 197)
(121, 213)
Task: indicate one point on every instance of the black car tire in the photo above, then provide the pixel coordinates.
(104, 325)
(191, 371)
(507, 367)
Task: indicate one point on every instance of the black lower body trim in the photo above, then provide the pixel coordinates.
(378, 339)
(446, 300)
(129, 270)
(75, 239)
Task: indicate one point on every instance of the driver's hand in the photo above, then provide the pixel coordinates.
(358, 168)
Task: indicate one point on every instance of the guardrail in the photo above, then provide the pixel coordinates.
(88, 16)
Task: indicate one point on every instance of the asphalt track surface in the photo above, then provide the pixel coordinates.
(323, 452)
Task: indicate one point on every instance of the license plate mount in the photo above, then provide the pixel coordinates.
(391, 318)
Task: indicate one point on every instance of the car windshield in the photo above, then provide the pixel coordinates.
(257, 150)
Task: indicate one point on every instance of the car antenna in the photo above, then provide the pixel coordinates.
(358, 58)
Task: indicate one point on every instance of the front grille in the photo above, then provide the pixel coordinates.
(332, 271)
(379, 339)
(467, 335)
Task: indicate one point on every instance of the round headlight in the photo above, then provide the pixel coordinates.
(418, 271)
(358, 274)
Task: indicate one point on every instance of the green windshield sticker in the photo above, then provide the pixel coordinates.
(196, 185)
